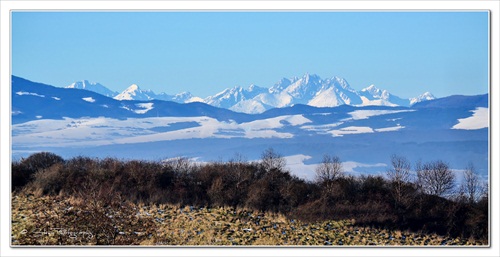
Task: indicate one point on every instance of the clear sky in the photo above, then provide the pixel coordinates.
(406, 53)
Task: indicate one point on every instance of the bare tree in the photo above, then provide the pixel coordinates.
(272, 160)
(484, 190)
(239, 172)
(471, 185)
(329, 169)
(399, 174)
(435, 178)
(181, 165)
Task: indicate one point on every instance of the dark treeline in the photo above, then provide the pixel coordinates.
(395, 202)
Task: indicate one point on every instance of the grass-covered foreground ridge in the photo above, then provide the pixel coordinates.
(52, 220)
(87, 201)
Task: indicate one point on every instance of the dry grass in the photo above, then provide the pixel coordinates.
(55, 220)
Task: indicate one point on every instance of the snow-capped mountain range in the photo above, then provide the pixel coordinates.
(308, 89)
(73, 121)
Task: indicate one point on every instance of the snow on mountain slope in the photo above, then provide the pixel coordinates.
(232, 96)
(57, 103)
(305, 87)
(184, 97)
(106, 131)
(275, 100)
(95, 87)
(72, 122)
(28, 93)
(478, 120)
(326, 98)
(334, 91)
(281, 85)
(455, 101)
(145, 107)
(423, 97)
(350, 130)
(134, 92)
(79, 132)
(88, 99)
(309, 89)
(249, 106)
(365, 114)
(374, 96)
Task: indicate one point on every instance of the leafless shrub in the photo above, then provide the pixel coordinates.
(400, 176)
(328, 171)
(103, 189)
(42, 160)
(24, 170)
(181, 165)
(471, 186)
(49, 181)
(271, 160)
(435, 178)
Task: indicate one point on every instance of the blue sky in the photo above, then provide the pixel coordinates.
(406, 53)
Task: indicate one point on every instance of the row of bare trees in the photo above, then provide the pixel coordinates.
(433, 178)
(428, 195)
(405, 198)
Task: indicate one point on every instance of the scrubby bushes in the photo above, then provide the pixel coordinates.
(260, 186)
(24, 170)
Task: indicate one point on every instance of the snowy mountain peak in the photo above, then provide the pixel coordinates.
(84, 84)
(377, 92)
(307, 78)
(339, 81)
(232, 96)
(306, 86)
(134, 92)
(309, 89)
(372, 89)
(91, 86)
(423, 97)
(184, 95)
(428, 96)
(254, 87)
(132, 88)
(282, 84)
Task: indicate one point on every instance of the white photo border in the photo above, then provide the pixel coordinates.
(6, 6)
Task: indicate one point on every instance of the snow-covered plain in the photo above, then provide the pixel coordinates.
(29, 93)
(365, 114)
(350, 130)
(104, 131)
(145, 107)
(478, 120)
(363, 137)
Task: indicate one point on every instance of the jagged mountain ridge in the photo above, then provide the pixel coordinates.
(95, 87)
(308, 89)
(134, 92)
(66, 120)
(32, 101)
